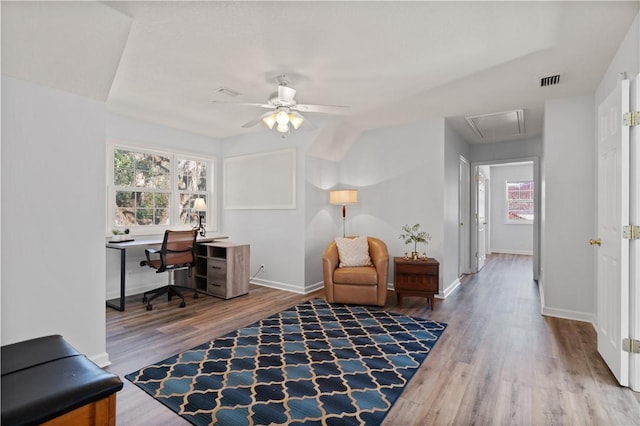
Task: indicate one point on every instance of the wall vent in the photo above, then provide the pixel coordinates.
(228, 92)
(550, 80)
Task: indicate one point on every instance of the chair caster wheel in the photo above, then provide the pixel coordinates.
(144, 299)
(195, 295)
(183, 304)
(149, 307)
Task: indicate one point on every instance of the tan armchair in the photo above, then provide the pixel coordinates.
(363, 285)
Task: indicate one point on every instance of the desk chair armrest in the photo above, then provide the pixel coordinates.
(148, 252)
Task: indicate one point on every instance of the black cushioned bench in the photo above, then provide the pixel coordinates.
(45, 379)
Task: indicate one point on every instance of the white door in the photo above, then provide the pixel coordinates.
(613, 212)
(481, 217)
(463, 216)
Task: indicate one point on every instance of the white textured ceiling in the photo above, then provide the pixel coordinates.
(391, 62)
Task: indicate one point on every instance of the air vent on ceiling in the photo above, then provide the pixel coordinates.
(498, 125)
(550, 80)
(228, 92)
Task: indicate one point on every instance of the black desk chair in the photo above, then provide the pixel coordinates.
(177, 252)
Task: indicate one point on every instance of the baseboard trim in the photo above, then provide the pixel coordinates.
(452, 287)
(313, 287)
(101, 360)
(279, 286)
(568, 314)
(507, 251)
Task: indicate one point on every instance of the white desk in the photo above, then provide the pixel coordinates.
(140, 242)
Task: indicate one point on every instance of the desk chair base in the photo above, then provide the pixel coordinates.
(170, 290)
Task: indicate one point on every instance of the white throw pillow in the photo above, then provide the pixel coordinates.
(353, 252)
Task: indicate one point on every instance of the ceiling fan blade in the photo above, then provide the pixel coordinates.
(308, 125)
(256, 120)
(286, 93)
(243, 104)
(327, 109)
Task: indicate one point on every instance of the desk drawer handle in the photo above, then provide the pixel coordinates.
(216, 267)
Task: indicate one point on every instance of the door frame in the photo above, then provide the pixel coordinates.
(537, 200)
(634, 245)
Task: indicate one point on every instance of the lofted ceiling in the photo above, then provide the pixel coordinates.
(392, 62)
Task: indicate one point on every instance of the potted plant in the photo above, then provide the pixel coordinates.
(412, 234)
(120, 235)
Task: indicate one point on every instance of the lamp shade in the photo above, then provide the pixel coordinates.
(270, 120)
(343, 196)
(199, 205)
(296, 120)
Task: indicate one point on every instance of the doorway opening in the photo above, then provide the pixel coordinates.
(505, 210)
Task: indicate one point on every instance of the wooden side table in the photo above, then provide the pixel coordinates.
(416, 278)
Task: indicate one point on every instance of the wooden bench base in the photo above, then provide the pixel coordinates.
(98, 413)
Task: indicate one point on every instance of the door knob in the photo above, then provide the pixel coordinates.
(595, 242)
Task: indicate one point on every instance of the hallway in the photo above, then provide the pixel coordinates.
(501, 362)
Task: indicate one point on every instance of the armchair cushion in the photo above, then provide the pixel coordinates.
(353, 252)
(365, 275)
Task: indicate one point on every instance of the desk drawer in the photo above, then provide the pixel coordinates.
(217, 288)
(216, 269)
(217, 277)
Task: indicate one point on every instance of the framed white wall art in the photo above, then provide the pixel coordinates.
(260, 181)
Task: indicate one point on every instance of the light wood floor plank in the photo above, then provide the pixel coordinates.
(499, 362)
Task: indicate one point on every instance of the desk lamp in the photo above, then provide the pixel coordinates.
(343, 197)
(200, 206)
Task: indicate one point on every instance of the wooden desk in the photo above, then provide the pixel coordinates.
(139, 242)
(416, 278)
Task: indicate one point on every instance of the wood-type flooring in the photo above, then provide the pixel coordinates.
(499, 362)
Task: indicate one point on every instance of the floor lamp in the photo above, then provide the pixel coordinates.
(343, 197)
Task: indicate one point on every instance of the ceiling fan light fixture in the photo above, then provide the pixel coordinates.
(282, 127)
(270, 120)
(282, 117)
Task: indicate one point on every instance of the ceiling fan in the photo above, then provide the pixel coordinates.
(285, 110)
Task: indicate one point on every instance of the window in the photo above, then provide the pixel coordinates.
(520, 205)
(154, 191)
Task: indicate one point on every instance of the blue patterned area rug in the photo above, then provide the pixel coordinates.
(314, 363)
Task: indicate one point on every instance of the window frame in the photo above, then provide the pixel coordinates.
(532, 200)
(174, 211)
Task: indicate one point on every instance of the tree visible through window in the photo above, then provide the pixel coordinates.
(192, 184)
(520, 206)
(153, 189)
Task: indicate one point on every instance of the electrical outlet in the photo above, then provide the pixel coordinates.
(262, 268)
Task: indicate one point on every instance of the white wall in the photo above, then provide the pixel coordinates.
(454, 147)
(399, 173)
(323, 221)
(499, 151)
(277, 237)
(53, 214)
(132, 132)
(627, 59)
(568, 273)
(508, 237)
